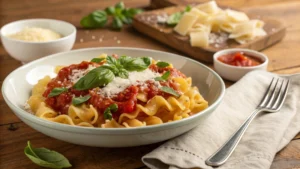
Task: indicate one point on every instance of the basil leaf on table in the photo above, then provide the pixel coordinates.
(188, 8)
(97, 77)
(137, 64)
(46, 158)
(79, 100)
(170, 91)
(131, 12)
(110, 10)
(117, 23)
(162, 64)
(120, 5)
(94, 20)
(165, 76)
(108, 111)
(97, 60)
(175, 17)
(57, 91)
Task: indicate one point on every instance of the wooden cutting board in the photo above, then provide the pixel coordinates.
(147, 24)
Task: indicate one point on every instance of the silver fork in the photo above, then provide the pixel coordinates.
(271, 102)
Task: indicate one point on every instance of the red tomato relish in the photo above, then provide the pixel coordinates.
(239, 59)
(125, 100)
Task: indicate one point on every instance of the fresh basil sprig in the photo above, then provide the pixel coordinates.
(121, 15)
(96, 19)
(79, 100)
(97, 60)
(104, 74)
(170, 91)
(175, 17)
(46, 158)
(165, 76)
(99, 76)
(108, 111)
(57, 91)
(162, 64)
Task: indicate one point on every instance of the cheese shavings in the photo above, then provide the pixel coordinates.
(135, 78)
(79, 73)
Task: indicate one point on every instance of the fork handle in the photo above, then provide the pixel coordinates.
(224, 152)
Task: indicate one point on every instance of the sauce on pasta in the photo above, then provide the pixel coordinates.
(164, 95)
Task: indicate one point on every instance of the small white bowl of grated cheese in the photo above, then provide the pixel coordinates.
(30, 39)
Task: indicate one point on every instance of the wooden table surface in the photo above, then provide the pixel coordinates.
(284, 59)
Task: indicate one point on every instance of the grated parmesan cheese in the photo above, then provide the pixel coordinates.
(135, 78)
(79, 73)
(35, 35)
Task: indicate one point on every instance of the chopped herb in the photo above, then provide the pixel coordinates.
(97, 60)
(79, 100)
(162, 64)
(57, 91)
(108, 111)
(170, 91)
(165, 76)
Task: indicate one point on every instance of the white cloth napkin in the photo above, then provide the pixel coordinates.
(267, 134)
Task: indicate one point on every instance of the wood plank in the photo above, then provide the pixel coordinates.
(233, 3)
(147, 23)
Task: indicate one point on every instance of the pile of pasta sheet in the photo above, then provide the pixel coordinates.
(206, 18)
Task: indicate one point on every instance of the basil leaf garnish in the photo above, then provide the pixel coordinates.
(46, 158)
(108, 111)
(138, 64)
(165, 76)
(170, 91)
(111, 67)
(123, 73)
(79, 100)
(57, 91)
(97, 77)
(111, 60)
(162, 64)
(97, 60)
(124, 59)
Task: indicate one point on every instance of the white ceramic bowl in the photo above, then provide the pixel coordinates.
(234, 73)
(17, 87)
(25, 51)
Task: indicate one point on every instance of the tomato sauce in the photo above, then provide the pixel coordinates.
(239, 59)
(125, 100)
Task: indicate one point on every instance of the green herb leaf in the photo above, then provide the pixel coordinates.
(79, 100)
(131, 12)
(97, 60)
(174, 18)
(99, 76)
(188, 8)
(123, 73)
(108, 111)
(111, 67)
(111, 60)
(124, 59)
(117, 23)
(110, 10)
(57, 91)
(120, 5)
(162, 64)
(46, 158)
(170, 91)
(165, 76)
(137, 64)
(94, 20)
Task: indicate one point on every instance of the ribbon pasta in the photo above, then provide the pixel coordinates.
(156, 110)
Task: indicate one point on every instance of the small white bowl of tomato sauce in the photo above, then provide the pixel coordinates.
(233, 64)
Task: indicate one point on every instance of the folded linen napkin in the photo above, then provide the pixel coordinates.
(267, 134)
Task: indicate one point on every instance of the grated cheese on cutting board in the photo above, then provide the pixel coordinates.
(33, 34)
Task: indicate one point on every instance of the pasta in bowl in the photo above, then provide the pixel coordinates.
(113, 101)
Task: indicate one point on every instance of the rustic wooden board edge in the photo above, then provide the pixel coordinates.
(275, 32)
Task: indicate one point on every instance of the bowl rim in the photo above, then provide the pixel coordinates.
(72, 27)
(84, 130)
(254, 53)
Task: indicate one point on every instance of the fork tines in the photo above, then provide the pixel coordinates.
(275, 95)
